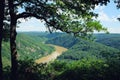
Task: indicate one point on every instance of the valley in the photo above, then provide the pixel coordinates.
(51, 57)
(34, 45)
(65, 55)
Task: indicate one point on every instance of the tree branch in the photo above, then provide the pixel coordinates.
(19, 3)
(53, 24)
(27, 14)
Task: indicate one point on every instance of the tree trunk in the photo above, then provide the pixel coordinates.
(14, 64)
(1, 34)
(13, 33)
(1, 69)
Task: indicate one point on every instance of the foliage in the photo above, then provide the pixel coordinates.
(90, 61)
(63, 40)
(117, 2)
(81, 48)
(88, 50)
(76, 70)
(111, 40)
(54, 35)
(73, 16)
(31, 46)
(28, 46)
(85, 60)
(68, 16)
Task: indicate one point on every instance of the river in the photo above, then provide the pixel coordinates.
(51, 57)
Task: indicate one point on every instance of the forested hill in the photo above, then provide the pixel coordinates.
(63, 40)
(112, 40)
(85, 60)
(29, 46)
(32, 45)
(80, 48)
(89, 50)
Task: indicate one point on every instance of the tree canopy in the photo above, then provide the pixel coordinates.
(66, 15)
(71, 16)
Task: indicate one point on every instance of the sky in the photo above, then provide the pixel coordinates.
(107, 16)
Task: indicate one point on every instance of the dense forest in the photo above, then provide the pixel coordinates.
(88, 49)
(109, 40)
(83, 57)
(28, 46)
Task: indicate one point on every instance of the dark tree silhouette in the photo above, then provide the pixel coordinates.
(1, 32)
(13, 21)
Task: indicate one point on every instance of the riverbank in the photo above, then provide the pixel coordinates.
(58, 51)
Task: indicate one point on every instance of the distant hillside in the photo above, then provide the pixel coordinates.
(28, 46)
(89, 50)
(6, 53)
(44, 35)
(32, 47)
(54, 35)
(112, 40)
(63, 40)
(80, 48)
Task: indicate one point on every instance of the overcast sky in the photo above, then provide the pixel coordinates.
(107, 16)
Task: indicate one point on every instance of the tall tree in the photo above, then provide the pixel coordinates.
(58, 14)
(2, 2)
(13, 21)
